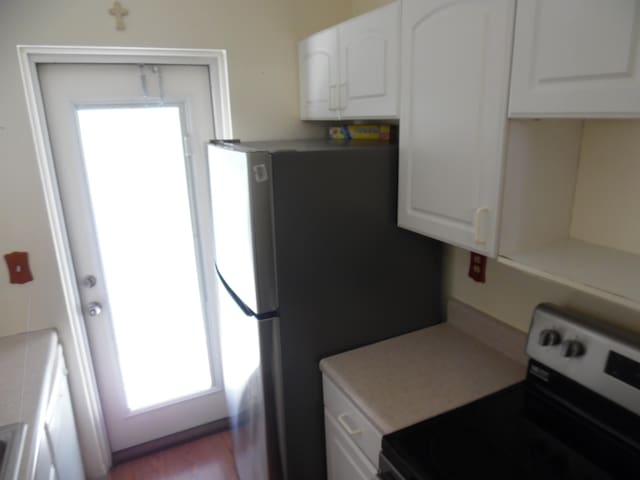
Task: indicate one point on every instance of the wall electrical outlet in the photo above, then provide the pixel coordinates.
(478, 267)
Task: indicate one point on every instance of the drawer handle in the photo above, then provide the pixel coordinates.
(348, 428)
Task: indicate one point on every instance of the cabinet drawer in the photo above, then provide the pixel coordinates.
(351, 421)
(344, 460)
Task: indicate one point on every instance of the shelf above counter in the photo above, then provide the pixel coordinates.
(607, 273)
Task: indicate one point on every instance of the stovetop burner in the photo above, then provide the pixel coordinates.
(480, 452)
(535, 457)
(496, 438)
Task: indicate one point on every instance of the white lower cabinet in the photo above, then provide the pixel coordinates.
(352, 441)
(344, 459)
(58, 449)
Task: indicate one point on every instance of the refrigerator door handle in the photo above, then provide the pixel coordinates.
(243, 306)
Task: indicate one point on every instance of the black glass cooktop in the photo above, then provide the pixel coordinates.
(514, 434)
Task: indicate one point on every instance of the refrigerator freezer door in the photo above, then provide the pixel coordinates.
(243, 227)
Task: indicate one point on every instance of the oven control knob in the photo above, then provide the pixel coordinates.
(549, 337)
(573, 348)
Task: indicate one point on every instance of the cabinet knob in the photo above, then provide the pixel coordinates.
(549, 337)
(573, 349)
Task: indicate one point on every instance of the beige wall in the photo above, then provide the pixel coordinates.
(260, 37)
(261, 40)
(607, 198)
(362, 6)
(510, 295)
(312, 16)
(605, 209)
(605, 212)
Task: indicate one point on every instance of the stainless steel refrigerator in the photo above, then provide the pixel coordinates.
(310, 263)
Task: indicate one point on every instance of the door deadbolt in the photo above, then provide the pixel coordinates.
(94, 309)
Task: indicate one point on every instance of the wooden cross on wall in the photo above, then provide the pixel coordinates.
(119, 12)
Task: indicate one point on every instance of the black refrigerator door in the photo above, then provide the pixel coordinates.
(242, 222)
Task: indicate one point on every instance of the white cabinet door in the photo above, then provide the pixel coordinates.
(45, 470)
(60, 428)
(577, 58)
(369, 48)
(344, 460)
(318, 64)
(455, 71)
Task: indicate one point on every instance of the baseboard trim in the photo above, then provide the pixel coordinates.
(143, 449)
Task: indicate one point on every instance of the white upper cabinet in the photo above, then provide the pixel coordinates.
(576, 58)
(318, 64)
(370, 64)
(351, 71)
(455, 79)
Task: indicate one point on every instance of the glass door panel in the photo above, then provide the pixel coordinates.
(138, 185)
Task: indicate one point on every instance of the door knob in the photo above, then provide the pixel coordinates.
(94, 309)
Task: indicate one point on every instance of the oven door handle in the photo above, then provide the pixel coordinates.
(386, 469)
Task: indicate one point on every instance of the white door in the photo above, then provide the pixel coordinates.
(369, 48)
(455, 72)
(576, 58)
(318, 64)
(128, 143)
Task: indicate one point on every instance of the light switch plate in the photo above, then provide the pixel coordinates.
(18, 265)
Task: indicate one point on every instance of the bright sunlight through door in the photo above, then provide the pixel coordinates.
(139, 185)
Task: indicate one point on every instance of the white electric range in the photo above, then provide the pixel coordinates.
(576, 416)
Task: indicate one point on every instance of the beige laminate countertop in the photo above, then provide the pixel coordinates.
(27, 366)
(406, 379)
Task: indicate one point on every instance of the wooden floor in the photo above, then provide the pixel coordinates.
(208, 458)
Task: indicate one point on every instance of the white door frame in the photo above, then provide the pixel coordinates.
(93, 435)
